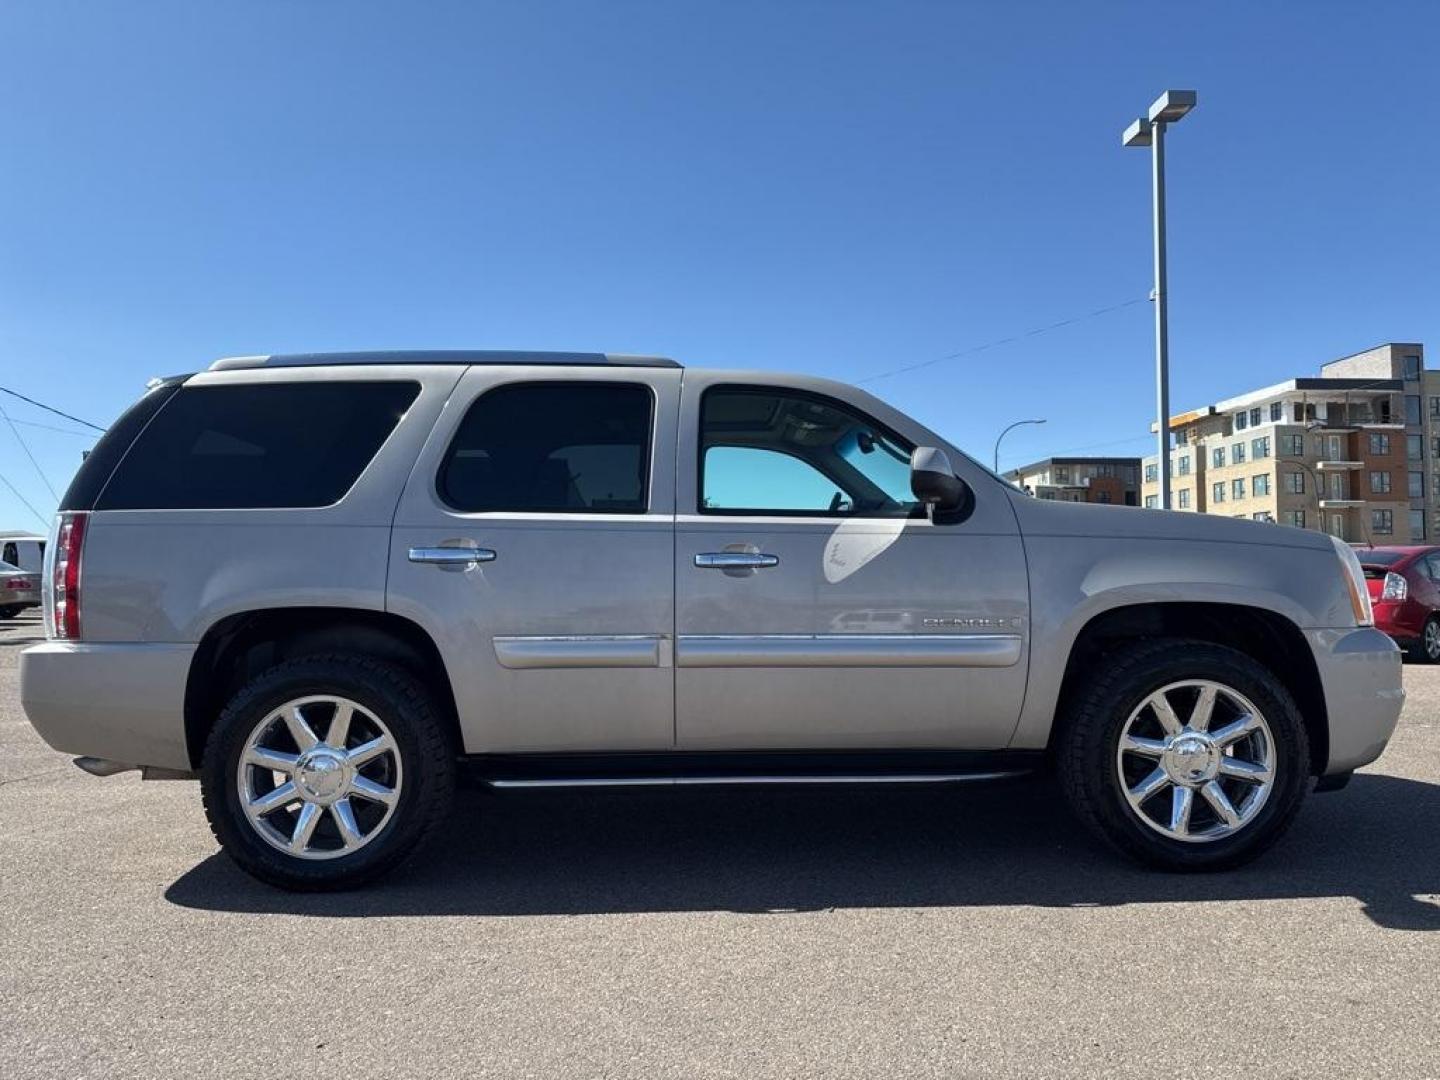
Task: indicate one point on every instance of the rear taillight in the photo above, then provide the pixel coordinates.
(1396, 587)
(65, 576)
(16, 583)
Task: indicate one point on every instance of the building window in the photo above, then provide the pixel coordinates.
(1380, 483)
(1237, 453)
(1182, 437)
(1217, 492)
(1062, 474)
(1417, 525)
(1294, 518)
(1241, 423)
(1295, 483)
(1262, 515)
(1412, 408)
(1435, 448)
(1379, 444)
(1417, 485)
(1277, 410)
(1412, 366)
(1217, 457)
(1255, 416)
(1152, 502)
(1292, 444)
(1151, 474)
(1382, 522)
(1435, 407)
(1184, 495)
(1304, 411)
(1102, 496)
(1414, 447)
(1237, 487)
(1260, 448)
(1105, 470)
(1260, 484)
(1184, 465)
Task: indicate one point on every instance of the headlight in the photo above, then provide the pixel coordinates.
(1355, 581)
(1396, 587)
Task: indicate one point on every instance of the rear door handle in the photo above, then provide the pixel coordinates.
(451, 556)
(735, 560)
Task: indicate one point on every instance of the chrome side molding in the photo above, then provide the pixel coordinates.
(847, 650)
(714, 781)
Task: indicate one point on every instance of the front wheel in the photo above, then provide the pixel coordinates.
(1185, 755)
(325, 772)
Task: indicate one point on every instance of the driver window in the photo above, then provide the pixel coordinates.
(768, 451)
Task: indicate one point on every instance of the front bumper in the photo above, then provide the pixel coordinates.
(1360, 674)
(123, 703)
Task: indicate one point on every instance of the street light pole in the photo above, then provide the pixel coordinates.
(1002, 435)
(1149, 131)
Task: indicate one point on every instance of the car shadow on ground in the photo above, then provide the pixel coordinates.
(782, 850)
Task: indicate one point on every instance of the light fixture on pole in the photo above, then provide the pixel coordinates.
(1168, 108)
(1007, 431)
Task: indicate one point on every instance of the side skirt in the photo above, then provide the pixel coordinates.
(751, 767)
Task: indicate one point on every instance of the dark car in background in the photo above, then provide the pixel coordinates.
(1404, 584)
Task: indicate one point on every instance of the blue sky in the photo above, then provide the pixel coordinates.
(828, 187)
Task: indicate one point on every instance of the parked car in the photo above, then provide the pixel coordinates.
(19, 589)
(1404, 585)
(25, 550)
(316, 582)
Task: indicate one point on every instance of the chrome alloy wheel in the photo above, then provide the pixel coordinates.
(1432, 640)
(314, 797)
(1199, 779)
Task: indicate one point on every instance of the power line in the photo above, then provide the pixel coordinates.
(1003, 341)
(24, 446)
(52, 427)
(39, 516)
(48, 408)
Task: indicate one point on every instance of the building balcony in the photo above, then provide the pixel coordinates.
(1338, 465)
(1340, 504)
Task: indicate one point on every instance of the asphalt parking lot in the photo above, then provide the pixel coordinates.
(948, 933)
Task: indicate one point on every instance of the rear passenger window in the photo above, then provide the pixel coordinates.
(259, 445)
(552, 447)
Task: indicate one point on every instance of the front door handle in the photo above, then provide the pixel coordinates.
(451, 556)
(735, 560)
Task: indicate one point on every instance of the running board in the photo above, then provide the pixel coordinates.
(717, 781)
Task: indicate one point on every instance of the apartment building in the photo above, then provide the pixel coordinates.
(1355, 452)
(1081, 479)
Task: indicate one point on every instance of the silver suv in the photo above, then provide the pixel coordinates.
(318, 583)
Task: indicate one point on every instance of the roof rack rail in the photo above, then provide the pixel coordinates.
(441, 356)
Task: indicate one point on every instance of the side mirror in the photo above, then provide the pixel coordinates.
(935, 484)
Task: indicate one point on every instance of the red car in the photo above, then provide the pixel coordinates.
(1404, 587)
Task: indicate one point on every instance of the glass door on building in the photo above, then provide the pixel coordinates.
(1337, 526)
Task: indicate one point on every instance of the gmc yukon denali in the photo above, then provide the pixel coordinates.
(319, 583)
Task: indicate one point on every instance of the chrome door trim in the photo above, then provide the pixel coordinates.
(779, 778)
(847, 650)
(581, 651)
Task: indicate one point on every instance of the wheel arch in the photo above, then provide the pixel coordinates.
(240, 646)
(1266, 636)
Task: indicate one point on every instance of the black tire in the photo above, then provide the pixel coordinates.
(1427, 650)
(10, 612)
(1088, 741)
(424, 745)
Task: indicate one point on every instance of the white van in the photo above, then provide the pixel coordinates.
(25, 550)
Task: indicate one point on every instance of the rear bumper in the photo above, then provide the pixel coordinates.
(123, 703)
(1403, 620)
(19, 598)
(1360, 673)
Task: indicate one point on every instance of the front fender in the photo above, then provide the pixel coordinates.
(1074, 580)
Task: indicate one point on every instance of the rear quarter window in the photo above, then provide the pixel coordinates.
(259, 445)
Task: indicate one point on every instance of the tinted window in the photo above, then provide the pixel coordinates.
(774, 451)
(100, 463)
(259, 445)
(552, 447)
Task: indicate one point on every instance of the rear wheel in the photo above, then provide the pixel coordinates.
(325, 772)
(10, 612)
(1427, 649)
(1185, 755)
